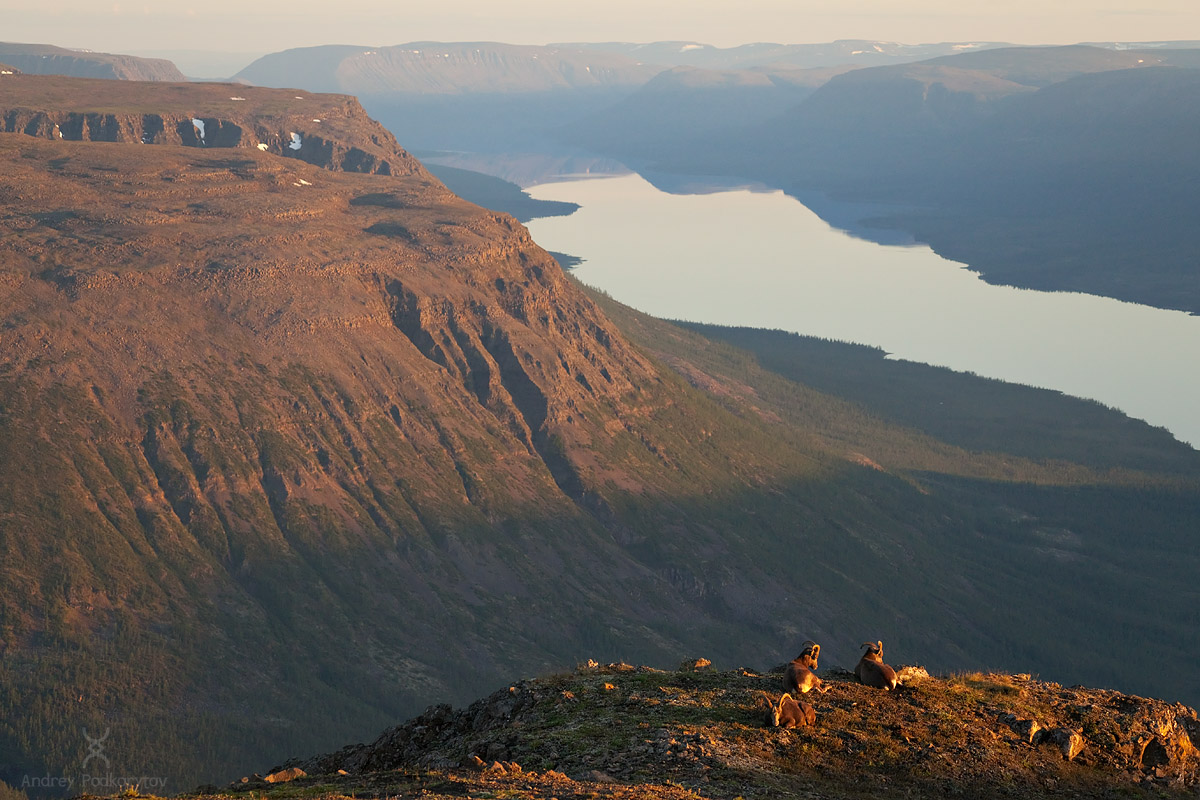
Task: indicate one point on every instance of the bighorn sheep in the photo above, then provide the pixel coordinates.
(800, 675)
(788, 713)
(871, 671)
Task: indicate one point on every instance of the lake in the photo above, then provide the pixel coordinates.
(762, 259)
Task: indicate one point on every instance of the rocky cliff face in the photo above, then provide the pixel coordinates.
(329, 131)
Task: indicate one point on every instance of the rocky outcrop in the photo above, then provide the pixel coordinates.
(329, 131)
(691, 726)
(208, 132)
(1132, 733)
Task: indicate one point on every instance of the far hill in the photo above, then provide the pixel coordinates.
(842, 53)
(45, 59)
(1042, 66)
(445, 68)
(683, 105)
(493, 97)
(478, 96)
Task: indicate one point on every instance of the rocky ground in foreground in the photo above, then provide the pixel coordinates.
(626, 732)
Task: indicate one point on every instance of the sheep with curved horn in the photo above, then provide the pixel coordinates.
(788, 713)
(800, 675)
(871, 671)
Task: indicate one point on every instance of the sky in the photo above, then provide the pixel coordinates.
(241, 26)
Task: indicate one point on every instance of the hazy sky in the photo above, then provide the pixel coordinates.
(240, 25)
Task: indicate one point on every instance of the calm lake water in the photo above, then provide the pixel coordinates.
(763, 259)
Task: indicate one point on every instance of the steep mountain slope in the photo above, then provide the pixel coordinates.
(45, 59)
(289, 441)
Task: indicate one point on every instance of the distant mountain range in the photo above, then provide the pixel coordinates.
(445, 68)
(858, 52)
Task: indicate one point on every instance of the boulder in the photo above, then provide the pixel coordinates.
(1069, 742)
(284, 775)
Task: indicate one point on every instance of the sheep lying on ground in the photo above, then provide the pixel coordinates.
(800, 675)
(788, 713)
(871, 671)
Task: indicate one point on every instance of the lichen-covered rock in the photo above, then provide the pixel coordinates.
(1026, 729)
(1069, 742)
(284, 775)
(911, 675)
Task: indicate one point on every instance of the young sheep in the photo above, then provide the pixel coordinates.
(871, 671)
(800, 675)
(788, 713)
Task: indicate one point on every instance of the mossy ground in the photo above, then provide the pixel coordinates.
(626, 732)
